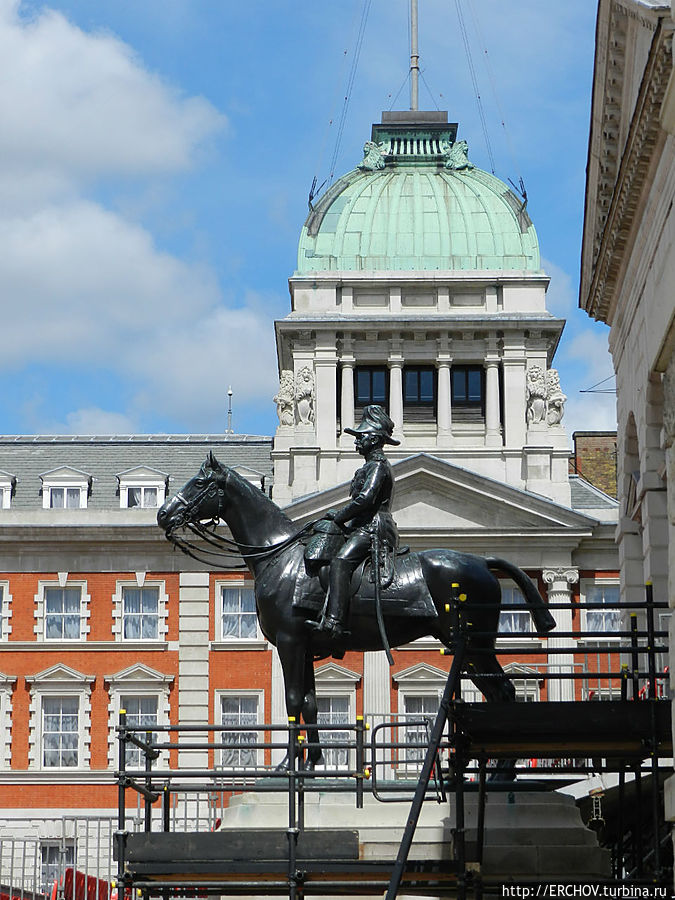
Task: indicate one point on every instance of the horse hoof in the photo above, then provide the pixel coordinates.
(311, 764)
(283, 765)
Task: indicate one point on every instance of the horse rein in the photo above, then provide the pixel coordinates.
(256, 551)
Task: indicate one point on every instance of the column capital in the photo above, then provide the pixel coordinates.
(567, 575)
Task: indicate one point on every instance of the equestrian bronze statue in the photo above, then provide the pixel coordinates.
(412, 591)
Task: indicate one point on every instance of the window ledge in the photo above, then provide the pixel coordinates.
(58, 776)
(604, 639)
(524, 641)
(240, 644)
(48, 646)
(423, 643)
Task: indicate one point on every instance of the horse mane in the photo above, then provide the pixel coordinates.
(266, 509)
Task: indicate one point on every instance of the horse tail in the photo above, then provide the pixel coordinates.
(542, 618)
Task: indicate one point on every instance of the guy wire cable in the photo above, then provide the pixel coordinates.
(474, 80)
(350, 85)
(333, 108)
(493, 85)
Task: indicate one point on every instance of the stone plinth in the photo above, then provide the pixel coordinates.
(528, 835)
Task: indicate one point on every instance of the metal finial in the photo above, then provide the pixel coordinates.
(414, 58)
(229, 411)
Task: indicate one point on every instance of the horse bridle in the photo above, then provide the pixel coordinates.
(206, 531)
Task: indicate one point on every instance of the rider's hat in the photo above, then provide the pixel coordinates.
(375, 421)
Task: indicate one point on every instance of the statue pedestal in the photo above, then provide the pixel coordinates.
(528, 835)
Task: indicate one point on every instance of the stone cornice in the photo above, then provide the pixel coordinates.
(642, 140)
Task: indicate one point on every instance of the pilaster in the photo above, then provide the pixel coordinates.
(193, 661)
(325, 404)
(513, 362)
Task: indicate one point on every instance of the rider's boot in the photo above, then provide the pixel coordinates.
(333, 623)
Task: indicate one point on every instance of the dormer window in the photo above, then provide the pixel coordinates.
(142, 488)
(65, 488)
(7, 484)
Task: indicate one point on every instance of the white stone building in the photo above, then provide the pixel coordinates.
(628, 275)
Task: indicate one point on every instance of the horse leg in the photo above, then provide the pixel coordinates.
(310, 715)
(487, 674)
(292, 659)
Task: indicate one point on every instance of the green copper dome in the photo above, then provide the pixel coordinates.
(416, 203)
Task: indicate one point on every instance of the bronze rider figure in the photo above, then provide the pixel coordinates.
(367, 512)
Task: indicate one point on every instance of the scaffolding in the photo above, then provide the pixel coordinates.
(470, 748)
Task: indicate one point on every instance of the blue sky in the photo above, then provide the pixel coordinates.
(157, 157)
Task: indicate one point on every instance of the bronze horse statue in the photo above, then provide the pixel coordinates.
(272, 548)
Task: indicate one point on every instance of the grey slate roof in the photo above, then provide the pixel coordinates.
(586, 496)
(103, 457)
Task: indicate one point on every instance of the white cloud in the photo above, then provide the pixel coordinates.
(84, 286)
(92, 420)
(589, 348)
(560, 297)
(81, 105)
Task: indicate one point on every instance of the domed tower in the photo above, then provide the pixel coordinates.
(418, 286)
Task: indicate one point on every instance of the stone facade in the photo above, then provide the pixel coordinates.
(628, 275)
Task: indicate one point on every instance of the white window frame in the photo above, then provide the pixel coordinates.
(7, 683)
(62, 846)
(162, 610)
(7, 484)
(423, 680)
(63, 478)
(260, 718)
(223, 642)
(333, 680)
(59, 681)
(40, 627)
(142, 477)
(517, 638)
(596, 636)
(5, 611)
(527, 684)
(137, 680)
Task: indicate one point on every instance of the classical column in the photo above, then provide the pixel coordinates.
(560, 583)
(396, 392)
(493, 437)
(347, 393)
(444, 410)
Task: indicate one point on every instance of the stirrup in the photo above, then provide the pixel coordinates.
(329, 625)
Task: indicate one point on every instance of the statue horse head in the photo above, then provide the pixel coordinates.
(199, 500)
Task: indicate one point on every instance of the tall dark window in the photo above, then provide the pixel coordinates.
(468, 392)
(371, 386)
(419, 393)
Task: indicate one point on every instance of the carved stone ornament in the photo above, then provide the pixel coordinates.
(555, 399)
(545, 399)
(536, 395)
(304, 395)
(565, 575)
(456, 156)
(285, 399)
(373, 157)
